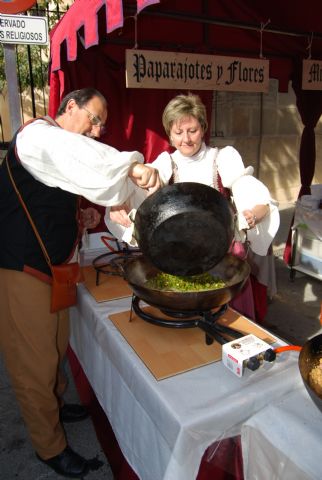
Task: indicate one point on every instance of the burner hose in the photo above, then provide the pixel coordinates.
(287, 347)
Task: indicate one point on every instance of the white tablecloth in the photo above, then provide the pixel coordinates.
(164, 427)
(284, 440)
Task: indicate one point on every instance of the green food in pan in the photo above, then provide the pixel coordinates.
(195, 283)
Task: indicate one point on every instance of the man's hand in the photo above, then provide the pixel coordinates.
(90, 217)
(145, 177)
(119, 214)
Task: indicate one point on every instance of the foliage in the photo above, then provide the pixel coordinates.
(36, 55)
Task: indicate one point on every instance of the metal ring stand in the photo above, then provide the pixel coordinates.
(115, 264)
(206, 320)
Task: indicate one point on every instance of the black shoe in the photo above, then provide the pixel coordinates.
(71, 412)
(67, 463)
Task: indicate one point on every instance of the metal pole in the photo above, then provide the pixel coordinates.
(32, 86)
(12, 82)
(259, 150)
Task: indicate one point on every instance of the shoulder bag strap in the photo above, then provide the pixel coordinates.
(29, 216)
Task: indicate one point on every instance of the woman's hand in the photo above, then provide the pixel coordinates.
(255, 215)
(145, 177)
(119, 214)
(90, 217)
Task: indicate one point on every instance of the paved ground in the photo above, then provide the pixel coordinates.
(17, 458)
(293, 314)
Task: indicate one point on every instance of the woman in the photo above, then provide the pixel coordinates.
(185, 122)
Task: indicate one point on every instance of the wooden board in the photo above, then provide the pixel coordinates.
(110, 287)
(170, 351)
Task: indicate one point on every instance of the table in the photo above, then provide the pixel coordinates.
(283, 452)
(163, 428)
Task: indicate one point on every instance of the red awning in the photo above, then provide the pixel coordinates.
(280, 32)
(88, 49)
(83, 13)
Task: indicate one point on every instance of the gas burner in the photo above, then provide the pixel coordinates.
(112, 263)
(206, 320)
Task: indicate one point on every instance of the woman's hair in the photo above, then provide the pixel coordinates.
(81, 97)
(184, 106)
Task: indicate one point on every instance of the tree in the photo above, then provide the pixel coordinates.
(32, 60)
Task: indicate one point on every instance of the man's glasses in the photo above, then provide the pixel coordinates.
(95, 121)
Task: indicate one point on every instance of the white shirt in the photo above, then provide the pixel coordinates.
(197, 168)
(202, 167)
(76, 163)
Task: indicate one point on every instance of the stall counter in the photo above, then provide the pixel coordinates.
(177, 418)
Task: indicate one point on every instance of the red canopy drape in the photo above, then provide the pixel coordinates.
(83, 14)
(134, 117)
(309, 104)
(88, 49)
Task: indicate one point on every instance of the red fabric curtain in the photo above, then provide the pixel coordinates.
(134, 115)
(309, 104)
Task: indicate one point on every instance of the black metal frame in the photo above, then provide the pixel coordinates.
(114, 261)
(207, 321)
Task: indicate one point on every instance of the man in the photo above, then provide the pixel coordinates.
(52, 162)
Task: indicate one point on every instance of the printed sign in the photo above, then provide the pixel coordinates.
(23, 29)
(312, 75)
(15, 6)
(173, 70)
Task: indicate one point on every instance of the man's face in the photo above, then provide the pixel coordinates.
(88, 120)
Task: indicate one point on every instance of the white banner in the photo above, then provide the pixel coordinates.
(173, 70)
(312, 75)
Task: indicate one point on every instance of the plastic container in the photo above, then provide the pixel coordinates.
(309, 201)
(316, 190)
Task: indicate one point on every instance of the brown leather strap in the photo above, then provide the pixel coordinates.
(28, 215)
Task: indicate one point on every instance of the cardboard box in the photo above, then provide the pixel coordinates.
(244, 352)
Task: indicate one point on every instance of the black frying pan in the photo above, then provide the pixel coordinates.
(185, 228)
(231, 269)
